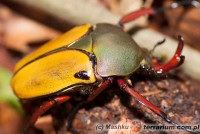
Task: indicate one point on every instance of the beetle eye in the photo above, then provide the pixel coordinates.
(82, 75)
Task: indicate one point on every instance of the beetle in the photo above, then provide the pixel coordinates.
(88, 59)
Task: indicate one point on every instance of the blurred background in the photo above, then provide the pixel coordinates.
(27, 24)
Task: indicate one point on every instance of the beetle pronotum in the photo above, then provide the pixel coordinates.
(86, 56)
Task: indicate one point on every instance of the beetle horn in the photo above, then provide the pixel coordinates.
(176, 61)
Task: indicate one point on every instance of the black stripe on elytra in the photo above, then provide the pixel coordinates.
(49, 53)
(82, 75)
(57, 50)
(43, 55)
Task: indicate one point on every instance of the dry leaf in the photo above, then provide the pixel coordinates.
(16, 32)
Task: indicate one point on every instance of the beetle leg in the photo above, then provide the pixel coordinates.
(153, 11)
(43, 108)
(134, 15)
(124, 85)
(104, 85)
(176, 61)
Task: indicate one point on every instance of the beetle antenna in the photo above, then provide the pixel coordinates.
(153, 11)
(157, 44)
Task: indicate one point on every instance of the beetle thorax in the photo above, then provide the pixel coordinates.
(116, 52)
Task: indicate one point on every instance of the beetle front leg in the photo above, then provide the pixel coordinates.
(175, 62)
(153, 11)
(43, 108)
(125, 86)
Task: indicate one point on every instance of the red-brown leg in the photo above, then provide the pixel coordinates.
(43, 109)
(152, 11)
(125, 86)
(176, 61)
(103, 86)
(134, 15)
(107, 82)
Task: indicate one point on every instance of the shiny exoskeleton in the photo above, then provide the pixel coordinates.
(87, 59)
